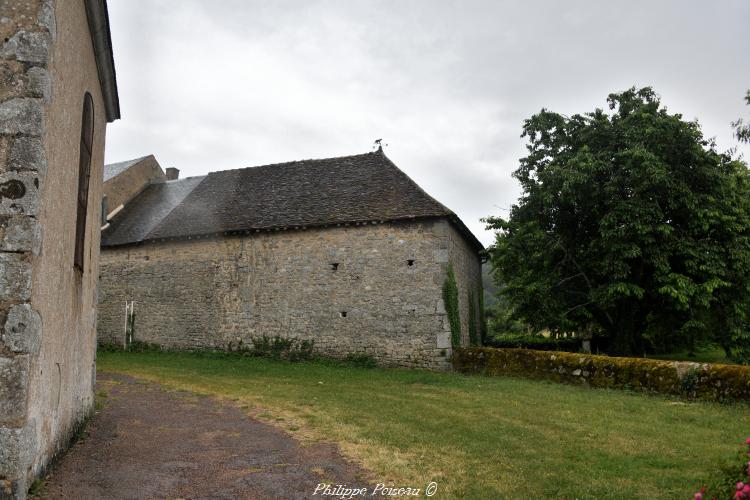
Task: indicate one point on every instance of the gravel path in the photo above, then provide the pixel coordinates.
(149, 442)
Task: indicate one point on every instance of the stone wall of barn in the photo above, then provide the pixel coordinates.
(373, 290)
(47, 307)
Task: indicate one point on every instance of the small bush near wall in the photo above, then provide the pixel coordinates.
(521, 341)
(275, 347)
(692, 380)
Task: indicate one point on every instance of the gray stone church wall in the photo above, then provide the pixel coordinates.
(47, 307)
(369, 289)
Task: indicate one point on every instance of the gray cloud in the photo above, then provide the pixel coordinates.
(216, 85)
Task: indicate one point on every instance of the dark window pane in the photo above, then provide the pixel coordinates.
(84, 174)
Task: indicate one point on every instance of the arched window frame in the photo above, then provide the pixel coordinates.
(84, 178)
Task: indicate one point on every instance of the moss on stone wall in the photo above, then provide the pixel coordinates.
(450, 298)
(693, 380)
(482, 318)
(473, 327)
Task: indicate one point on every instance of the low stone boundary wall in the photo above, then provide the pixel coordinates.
(693, 380)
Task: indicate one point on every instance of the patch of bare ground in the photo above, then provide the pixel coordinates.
(148, 442)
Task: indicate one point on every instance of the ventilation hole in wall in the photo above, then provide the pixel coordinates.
(146, 257)
(334, 266)
(342, 314)
(410, 262)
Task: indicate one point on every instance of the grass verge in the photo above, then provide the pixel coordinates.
(476, 437)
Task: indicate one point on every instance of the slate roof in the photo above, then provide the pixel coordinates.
(350, 189)
(145, 211)
(115, 169)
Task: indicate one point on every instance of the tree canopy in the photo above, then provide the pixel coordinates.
(742, 129)
(631, 228)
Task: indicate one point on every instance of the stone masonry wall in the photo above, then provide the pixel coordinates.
(47, 311)
(468, 270)
(350, 289)
(124, 187)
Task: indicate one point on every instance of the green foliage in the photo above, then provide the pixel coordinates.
(360, 360)
(742, 129)
(450, 299)
(721, 383)
(631, 226)
(37, 488)
(731, 472)
(531, 341)
(473, 330)
(482, 319)
(276, 347)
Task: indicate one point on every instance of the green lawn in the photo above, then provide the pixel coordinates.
(477, 437)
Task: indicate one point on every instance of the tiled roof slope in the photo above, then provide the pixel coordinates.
(144, 212)
(115, 169)
(349, 189)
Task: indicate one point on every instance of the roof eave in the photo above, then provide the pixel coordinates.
(98, 20)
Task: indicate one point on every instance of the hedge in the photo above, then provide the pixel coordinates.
(525, 341)
(693, 380)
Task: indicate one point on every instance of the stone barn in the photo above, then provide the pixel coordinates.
(347, 252)
(57, 93)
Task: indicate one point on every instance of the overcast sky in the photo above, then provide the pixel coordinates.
(215, 85)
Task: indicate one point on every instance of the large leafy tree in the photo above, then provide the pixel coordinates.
(742, 129)
(631, 228)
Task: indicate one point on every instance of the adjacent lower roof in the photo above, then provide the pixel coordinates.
(114, 169)
(350, 189)
(140, 216)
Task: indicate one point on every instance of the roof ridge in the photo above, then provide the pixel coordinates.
(309, 160)
(128, 161)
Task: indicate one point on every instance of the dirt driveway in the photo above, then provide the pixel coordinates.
(148, 442)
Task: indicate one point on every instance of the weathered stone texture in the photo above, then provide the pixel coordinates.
(27, 153)
(14, 379)
(349, 289)
(23, 330)
(22, 116)
(19, 193)
(15, 277)
(15, 456)
(19, 233)
(30, 47)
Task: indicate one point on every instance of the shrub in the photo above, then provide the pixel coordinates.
(360, 360)
(538, 342)
(733, 481)
(276, 348)
(691, 380)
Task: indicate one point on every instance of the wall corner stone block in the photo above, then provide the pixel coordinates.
(23, 330)
(27, 46)
(15, 278)
(19, 193)
(20, 233)
(27, 153)
(22, 116)
(14, 380)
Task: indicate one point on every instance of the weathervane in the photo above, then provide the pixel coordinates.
(377, 145)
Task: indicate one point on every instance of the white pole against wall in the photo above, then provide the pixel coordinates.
(129, 322)
(125, 332)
